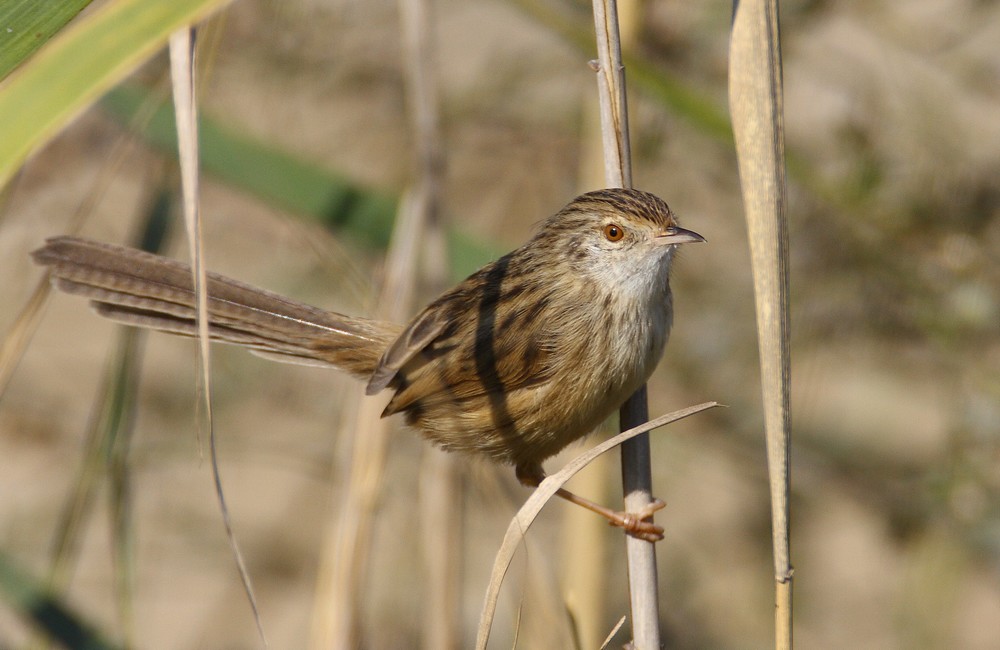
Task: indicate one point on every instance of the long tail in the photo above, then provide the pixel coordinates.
(138, 288)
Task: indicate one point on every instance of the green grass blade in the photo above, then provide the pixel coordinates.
(286, 181)
(259, 168)
(26, 25)
(29, 599)
(79, 65)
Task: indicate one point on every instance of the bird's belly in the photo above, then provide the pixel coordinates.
(530, 424)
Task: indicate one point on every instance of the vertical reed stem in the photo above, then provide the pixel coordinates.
(636, 471)
(755, 97)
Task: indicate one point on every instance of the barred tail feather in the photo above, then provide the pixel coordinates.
(146, 290)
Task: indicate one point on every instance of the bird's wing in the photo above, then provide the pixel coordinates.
(420, 333)
(474, 341)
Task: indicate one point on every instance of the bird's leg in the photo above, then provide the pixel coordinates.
(634, 523)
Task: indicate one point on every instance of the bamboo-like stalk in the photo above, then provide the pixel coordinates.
(584, 575)
(636, 472)
(755, 96)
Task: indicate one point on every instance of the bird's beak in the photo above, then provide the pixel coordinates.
(677, 235)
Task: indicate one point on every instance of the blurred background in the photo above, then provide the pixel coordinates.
(893, 136)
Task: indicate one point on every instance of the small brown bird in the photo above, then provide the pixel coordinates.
(523, 357)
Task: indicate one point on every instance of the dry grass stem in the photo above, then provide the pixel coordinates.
(529, 511)
(182, 74)
(336, 609)
(440, 473)
(613, 632)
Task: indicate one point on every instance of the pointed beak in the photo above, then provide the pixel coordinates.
(678, 235)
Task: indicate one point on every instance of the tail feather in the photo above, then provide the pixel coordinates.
(147, 290)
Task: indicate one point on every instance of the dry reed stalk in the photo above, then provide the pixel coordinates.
(440, 497)
(636, 471)
(345, 558)
(584, 573)
(755, 96)
(586, 538)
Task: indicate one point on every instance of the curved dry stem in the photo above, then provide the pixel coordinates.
(182, 73)
(526, 515)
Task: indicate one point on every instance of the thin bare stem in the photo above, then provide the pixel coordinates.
(182, 72)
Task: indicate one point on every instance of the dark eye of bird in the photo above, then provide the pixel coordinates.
(613, 232)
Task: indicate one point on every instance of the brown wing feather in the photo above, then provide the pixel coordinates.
(482, 345)
(420, 333)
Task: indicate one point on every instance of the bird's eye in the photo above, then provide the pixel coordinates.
(614, 232)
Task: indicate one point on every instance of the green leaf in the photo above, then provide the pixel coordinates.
(79, 65)
(278, 177)
(26, 25)
(285, 180)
